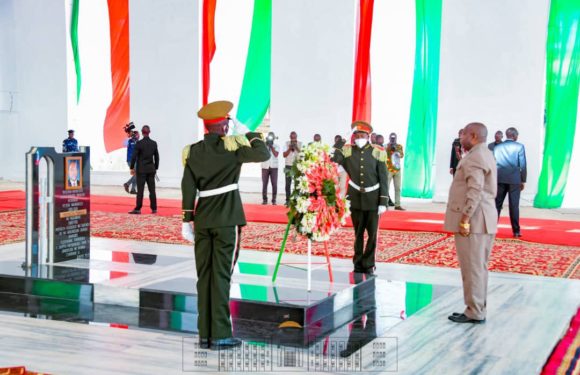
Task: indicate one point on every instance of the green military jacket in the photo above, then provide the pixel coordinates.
(213, 163)
(366, 167)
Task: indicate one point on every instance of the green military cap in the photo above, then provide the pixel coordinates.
(214, 112)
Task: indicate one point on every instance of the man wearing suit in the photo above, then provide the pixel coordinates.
(511, 176)
(471, 216)
(73, 174)
(146, 156)
(366, 166)
(212, 170)
(456, 153)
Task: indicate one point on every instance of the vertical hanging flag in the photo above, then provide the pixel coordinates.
(562, 84)
(118, 111)
(207, 45)
(361, 106)
(421, 138)
(74, 39)
(255, 94)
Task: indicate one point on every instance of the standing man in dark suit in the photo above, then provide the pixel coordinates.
(510, 157)
(211, 171)
(498, 138)
(146, 156)
(456, 153)
(366, 166)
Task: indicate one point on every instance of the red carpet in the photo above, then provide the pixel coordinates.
(565, 358)
(420, 248)
(556, 232)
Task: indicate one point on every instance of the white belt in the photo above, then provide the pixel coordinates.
(363, 189)
(218, 191)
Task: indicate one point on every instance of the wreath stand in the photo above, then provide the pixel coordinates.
(308, 263)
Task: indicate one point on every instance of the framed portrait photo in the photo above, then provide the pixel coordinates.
(73, 173)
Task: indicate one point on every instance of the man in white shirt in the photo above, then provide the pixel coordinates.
(291, 150)
(270, 169)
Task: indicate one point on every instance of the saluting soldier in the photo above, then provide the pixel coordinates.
(367, 191)
(211, 171)
(70, 144)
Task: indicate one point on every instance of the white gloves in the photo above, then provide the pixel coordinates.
(239, 128)
(382, 210)
(187, 231)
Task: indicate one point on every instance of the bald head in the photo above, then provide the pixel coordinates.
(473, 134)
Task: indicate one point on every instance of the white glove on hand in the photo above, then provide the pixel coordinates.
(382, 210)
(239, 128)
(187, 232)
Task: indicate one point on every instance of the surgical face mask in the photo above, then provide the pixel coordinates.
(361, 142)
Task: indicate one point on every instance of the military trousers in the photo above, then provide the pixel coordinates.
(364, 221)
(216, 251)
(473, 254)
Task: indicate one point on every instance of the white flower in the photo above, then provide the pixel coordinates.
(308, 222)
(302, 203)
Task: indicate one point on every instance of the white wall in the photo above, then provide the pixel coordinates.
(164, 81)
(492, 71)
(312, 67)
(33, 60)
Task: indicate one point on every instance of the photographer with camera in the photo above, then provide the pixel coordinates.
(394, 156)
(339, 143)
(291, 150)
(130, 142)
(270, 169)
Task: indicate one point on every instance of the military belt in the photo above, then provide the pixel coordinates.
(218, 191)
(363, 189)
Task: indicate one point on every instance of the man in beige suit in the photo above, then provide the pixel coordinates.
(472, 217)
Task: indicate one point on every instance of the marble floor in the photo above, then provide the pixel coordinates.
(527, 315)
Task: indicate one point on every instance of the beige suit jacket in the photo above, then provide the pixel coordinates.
(473, 192)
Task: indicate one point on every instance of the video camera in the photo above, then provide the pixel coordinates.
(270, 138)
(128, 128)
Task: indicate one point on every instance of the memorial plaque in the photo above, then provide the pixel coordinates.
(66, 203)
(72, 208)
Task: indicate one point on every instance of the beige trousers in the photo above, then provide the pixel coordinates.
(396, 178)
(473, 253)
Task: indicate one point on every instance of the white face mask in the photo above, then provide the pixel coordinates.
(361, 142)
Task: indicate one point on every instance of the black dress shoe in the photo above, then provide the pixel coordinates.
(517, 234)
(264, 203)
(204, 343)
(399, 208)
(135, 212)
(273, 203)
(391, 203)
(462, 318)
(153, 211)
(134, 192)
(228, 343)
(126, 186)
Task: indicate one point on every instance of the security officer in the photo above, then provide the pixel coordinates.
(212, 169)
(70, 144)
(367, 190)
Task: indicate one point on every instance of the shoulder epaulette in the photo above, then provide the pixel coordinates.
(347, 150)
(185, 153)
(380, 154)
(234, 142)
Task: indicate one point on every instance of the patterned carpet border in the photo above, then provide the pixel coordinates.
(417, 248)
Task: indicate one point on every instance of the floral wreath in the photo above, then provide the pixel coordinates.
(315, 208)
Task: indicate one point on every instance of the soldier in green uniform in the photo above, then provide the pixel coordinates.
(367, 192)
(211, 171)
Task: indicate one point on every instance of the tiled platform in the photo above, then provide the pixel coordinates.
(405, 317)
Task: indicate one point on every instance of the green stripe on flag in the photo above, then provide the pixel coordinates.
(420, 152)
(255, 95)
(74, 38)
(562, 82)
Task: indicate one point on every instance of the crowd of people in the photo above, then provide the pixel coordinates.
(291, 148)
(483, 175)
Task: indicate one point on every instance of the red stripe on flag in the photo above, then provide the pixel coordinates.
(361, 109)
(118, 111)
(207, 44)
